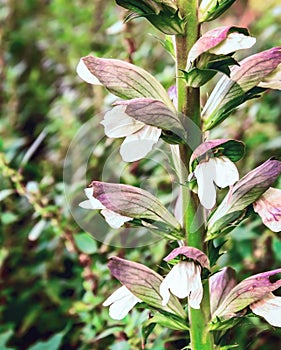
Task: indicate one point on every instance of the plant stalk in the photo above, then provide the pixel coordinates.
(193, 217)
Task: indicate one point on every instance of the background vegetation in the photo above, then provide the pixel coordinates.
(53, 274)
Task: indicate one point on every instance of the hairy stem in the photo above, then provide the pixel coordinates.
(193, 218)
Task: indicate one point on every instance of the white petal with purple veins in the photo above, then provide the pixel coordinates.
(205, 174)
(273, 80)
(268, 206)
(118, 124)
(226, 172)
(184, 280)
(234, 42)
(113, 219)
(121, 302)
(139, 144)
(269, 308)
(92, 202)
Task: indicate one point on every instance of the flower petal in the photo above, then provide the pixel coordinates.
(136, 146)
(92, 202)
(269, 308)
(176, 281)
(118, 124)
(113, 219)
(196, 288)
(144, 283)
(184, 280)
(235, 41)
(119, 294)
(190, 253)
(273, 80)
(205, 173)
(221, 284)
(85, 74)
(226, 172)
(268, 206)
(122, 301)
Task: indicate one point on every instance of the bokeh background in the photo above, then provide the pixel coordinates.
(53, 274)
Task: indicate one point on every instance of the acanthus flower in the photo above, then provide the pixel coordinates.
(212, 164)
(113, 219)
(124, 203)
(229, 299)
(268, 206)
(145, 112)
(184, 279)
(214, 172)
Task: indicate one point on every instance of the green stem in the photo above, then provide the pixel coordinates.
(189, 105)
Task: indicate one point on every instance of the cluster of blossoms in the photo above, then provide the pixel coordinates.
(228, 299)
(144, 114)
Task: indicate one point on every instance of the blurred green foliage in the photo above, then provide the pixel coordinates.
(54, 276)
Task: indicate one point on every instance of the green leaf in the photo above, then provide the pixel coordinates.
(4, 338)
(53, 343)
(109, 331)
(168, 321)
(85, 243)
(8, 218)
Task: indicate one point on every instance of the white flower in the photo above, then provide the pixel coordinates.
(272, 80)
(268, 206)
(113, 219)
(234, 42)
(269, 308)
(218, 171)
(139, 137)
(184, 280)
(121, 302)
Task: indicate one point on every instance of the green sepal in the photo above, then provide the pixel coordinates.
(214, 252)
(200, 75)
(172, 138)
(222, 325)
(163, 15)
(221, 63)
(196, 77)
(228, 223)
(167, 43)
(222, 113)
(214, 9)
